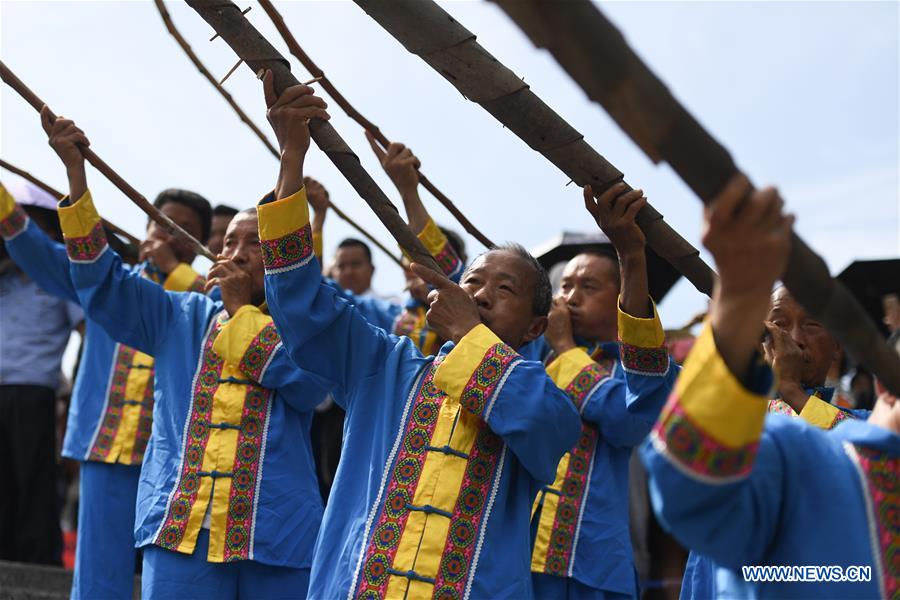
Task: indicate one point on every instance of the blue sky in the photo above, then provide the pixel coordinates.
(804, 95)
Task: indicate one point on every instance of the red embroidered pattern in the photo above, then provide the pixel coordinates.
(175, 524)
(379, 555)
(483, 383)
(145, 423)
(245, 471)
(468, 516)
(645, 360)
(838, 417)
(448, 261)
(259, 351)
(89, 247)
(198, 285)
(687, 443)
(571, 499)
(883, 478)
(292, 250)
(13, 223)
(113, 416)
(586, 379)
(778, 406)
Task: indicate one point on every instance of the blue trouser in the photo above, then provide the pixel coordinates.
(105, 555)
(169, 574)
(551, 587)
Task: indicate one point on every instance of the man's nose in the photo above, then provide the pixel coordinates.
(798, 336)
(483, 297)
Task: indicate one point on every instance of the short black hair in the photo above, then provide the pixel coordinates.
(192, 200)
(456, 242)
(223, 210)
(355, 243)
(543, 291)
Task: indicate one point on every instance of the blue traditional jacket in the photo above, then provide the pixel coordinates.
(111, 412)
(744, 488)
(442, 457)
(581, 520)
(232, 417)
(701, 579)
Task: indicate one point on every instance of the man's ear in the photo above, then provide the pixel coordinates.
(535, 329)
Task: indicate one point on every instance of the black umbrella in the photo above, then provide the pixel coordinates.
(870, 281)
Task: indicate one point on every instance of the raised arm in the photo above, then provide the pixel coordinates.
(323, 333)
(132, 310)
(41, 258)
(716, 479)
(402, 167)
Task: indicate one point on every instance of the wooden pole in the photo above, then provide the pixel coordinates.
(162, 220)
(354, 114)
(595, 54)
(59, 196)
(170, 27)
(428, 31)
(226, 19)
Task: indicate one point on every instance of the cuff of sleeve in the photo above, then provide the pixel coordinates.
(821, 414)
(432, 237)
(81, 227)
(284, 232)
(576, 373)
(475, 370)
(184, 279)
(13, 218)
(712, 424)
(645, 333)
(567, 366)
(248, 339)
(439, 247)
(7, 202)
(318, 244)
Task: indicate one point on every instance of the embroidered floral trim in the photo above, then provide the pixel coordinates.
(112, 418)
(89, 247)
(290, 251)
(448, 261)
(245, 472)
(207, 382)
(653, 361)
(145, 423)
(259, 351)
(586, 379)
(386, 534)
(685, 442)
(569, 505)
(14, 223)
(779, 406)
(468, 516)
(198, 285)
(883, 478)
(482, 385)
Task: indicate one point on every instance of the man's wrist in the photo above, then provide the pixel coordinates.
(793, 394)
(632, 255)
(293, 157)
(463, 329)
(563, 346)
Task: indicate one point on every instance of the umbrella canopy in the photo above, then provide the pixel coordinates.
(870, 281)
